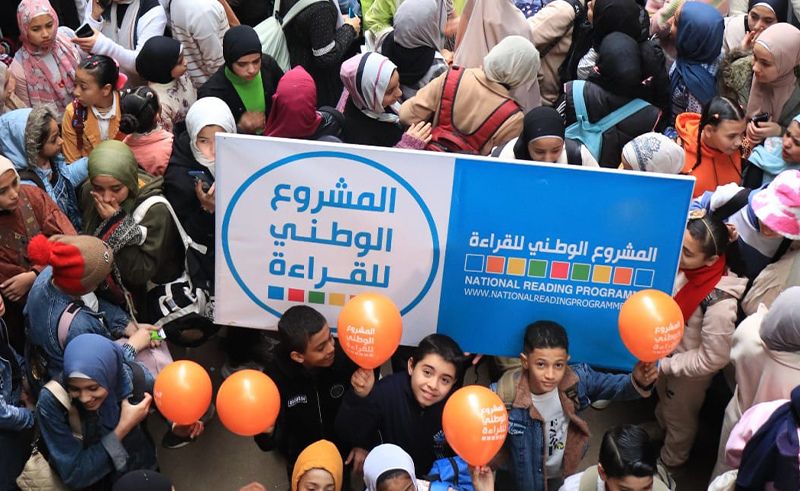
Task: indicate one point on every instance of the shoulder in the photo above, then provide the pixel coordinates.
(215, 85)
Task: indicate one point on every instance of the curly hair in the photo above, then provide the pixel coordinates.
(37, 131)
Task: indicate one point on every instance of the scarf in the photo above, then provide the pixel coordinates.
(239, 41)
(769, 158)
(412, 63)
(114, 159)
(780, 329)
(95, 357)
(783, 42)
(654, 152)
(366, 78)
(513, 62)
(615, 16)
(251, 92)
(157, 58)
(44, 87)
(207, 111)
(383, 458)
(701, 282)
(619, 65)
(319, 455)
(294, 106)
(540, 122)
(771, 455)
(420, 23)
(778, 7)
(699, 42)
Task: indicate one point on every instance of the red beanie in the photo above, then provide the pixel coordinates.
(80, 262)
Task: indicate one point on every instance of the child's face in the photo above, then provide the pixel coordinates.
(247, 66)
(432, 378)
(320, 350)
(765, 70)
(545, 367)
(52, 145)
(629, 483)
(316, 480)
(399, 483)
(692, 255)
(9, 191)
(41, 32)
(791, 143)
(180, 68)
(393, 92)
(88, 392)
(726, 136)
(88, 90)
(546, 148)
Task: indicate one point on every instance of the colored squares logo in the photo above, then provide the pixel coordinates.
(316, 297)
(601, 274)
(275, 293)
(559, 270)
(516, 266)
(580, 272)
(296, 295)
(474, 263)
(495, 264)
(623, 276)
(537, 268)
(336, 299)
(644, 278)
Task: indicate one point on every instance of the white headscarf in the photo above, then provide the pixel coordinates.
(386, 457)
(207, 111)
(514, 61)
(419, 23)
(654, 152)
(7, 165)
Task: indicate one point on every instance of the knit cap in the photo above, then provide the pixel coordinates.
(778, 205)
(80, 262)
(319, 455)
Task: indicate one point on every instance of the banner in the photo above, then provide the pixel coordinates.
(470, 247)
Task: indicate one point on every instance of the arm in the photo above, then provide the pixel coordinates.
(379, 15)
(359, 418)
(116, 318)
(328, 44)
(550, 25)
(609, 386)
(179, 190)
(21, 87)
(77, 171)
(423, 106)
(207, 32)
(13, 418)
(150, 24)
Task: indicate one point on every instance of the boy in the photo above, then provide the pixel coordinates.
(546, 438)
(627, 463)
(312, 374)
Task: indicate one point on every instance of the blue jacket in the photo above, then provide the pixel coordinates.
(13, 416)
(525, 443)
(43, 310)
(100, 456)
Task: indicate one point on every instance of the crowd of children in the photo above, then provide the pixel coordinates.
(108, 116)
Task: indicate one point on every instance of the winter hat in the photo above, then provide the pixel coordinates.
(778, 205)
(80, 262)
(319, 455)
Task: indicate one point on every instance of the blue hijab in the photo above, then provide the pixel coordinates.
(100, 359)
(768, 157)
(698, 43)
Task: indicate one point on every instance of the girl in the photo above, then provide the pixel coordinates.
(147, 250)
(318, 468)
(707, 293)
(698, 39)
(44, 68)
(94, 115)
(543, 139)
(774, 157)
(150, 144)
(712, 142)
(372, 86)
(742, 30)
(162, 63)
(294, 111)
(775, 91)
(609, 16)
(388, 467)
(653, 152)
(405, 407)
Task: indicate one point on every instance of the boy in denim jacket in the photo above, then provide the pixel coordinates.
(546, 437)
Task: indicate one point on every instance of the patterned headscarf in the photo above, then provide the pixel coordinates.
(366, 78)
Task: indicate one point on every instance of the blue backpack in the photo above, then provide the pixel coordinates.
(450, 473)
(591, 134)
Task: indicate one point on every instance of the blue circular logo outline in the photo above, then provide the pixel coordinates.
(332, 154)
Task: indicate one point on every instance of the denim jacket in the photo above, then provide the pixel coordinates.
(100, 456)
(525, 443)
(43, 311)
(13, 416)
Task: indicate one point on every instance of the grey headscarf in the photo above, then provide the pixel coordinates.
(36, 131)
(420, 23)
(780, 329)
(514, 61)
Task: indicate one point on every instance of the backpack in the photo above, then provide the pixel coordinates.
(450, 473)
(183, 303)
(270, 32)
(445, 137)
(581, 42)
(591, 134)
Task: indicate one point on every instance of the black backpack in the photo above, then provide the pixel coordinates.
(581, 42)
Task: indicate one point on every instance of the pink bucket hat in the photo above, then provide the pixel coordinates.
(778, 205)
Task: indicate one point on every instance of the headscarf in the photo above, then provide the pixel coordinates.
(615, 16)
(783, 41)
(542, 121)
(12, 136)
(419, 23)
(319, 455)
(143, 480)
(383, 458)
(619, 65)
(780, 328)
(6, 165)
(206, 112)
(654, 152)
(366, 78)
(95, 357)
(239, 41)
(779, 7)
(42, 86)
(699, 42)
(157, 58)
(412, 63)
(294, 106)
(513, 62)
(115, 159)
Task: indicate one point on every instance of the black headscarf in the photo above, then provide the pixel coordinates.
(619, 65)
(239, 41)
(539, 122)
(780, 7)
(412, 63)
(143, 480)
(157, 58)
(616, 16)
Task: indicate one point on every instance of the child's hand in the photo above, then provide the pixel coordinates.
(482, 478)
(357, 457)
(362, 381)
(645, 374)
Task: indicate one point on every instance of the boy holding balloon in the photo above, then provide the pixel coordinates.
(547, 438)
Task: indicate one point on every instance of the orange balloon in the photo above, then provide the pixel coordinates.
(182, 392)
(248, 403)
(369, 329)
(475, 424)
(650, 325)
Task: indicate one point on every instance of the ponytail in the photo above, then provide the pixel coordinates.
(139, 110)
(105, 71)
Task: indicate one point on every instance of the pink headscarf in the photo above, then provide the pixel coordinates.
(42, 89)
(294, 106)
(783, 41)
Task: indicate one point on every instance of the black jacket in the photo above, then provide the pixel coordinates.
(219, 86)
(310, 401)
(360, 128)
(392, 411)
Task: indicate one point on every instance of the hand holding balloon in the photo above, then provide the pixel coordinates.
(645, 374)
(362, 381)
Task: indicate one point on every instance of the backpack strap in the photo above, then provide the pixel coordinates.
(736, 203)
(618, 115)
(79, 115)
(451, 82)
(499, 149)
(139, 382)
(492, 124)
(29, 175)
(65, 321)
(573, 148)
(61, 395)
(141, 210)
(295, 10)
(785, 243)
